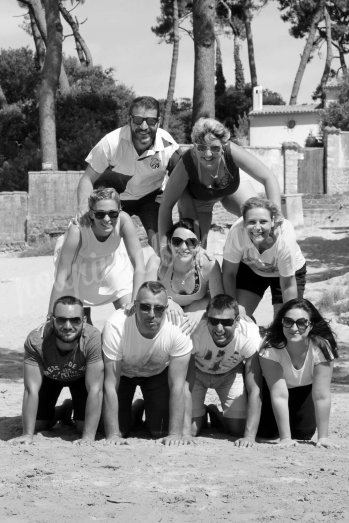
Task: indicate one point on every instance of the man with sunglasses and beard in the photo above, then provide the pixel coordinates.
(145, 349)
(226, 360)
(66, 352)
(133, 159)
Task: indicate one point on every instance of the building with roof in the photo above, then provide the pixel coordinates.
(272, 125)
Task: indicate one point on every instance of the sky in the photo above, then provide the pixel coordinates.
(118, 33)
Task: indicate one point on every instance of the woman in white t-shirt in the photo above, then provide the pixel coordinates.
(261, 251)
(297, 363)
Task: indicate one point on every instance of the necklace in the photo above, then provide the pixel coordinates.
(181, 281)
(203, 173)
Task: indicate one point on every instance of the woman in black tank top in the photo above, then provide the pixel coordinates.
(209, 172)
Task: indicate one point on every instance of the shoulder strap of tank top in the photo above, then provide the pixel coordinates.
(229, 161)
(188, 162)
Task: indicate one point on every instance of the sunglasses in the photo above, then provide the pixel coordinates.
(191, 243)
(100, 215)
(202, 148)
(225, 322)
(158, 309)
(61, 320)
(138, 120)
(302, 323)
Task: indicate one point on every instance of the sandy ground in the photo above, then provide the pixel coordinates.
(55, 480)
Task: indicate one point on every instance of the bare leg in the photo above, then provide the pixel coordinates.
(234, 202)
(234, 426)
(124, 300)
(197, 424)
(249, 300)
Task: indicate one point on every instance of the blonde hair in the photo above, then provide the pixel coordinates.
(103, 194)
(212, 128)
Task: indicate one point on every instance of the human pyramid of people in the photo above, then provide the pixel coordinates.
(182, 323)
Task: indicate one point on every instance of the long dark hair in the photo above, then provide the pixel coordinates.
(321, 334)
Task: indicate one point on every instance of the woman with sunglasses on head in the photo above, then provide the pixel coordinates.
(261, 251)
(187, 281)
(297, 363)
(102, 262)
(208, 173)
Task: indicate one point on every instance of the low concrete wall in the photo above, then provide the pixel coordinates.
(13, 216)
(337, 164)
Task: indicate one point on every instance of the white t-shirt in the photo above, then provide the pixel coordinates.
(292, 376)
(283, 258)
(141, 356)
(217, 360)
(146, 172)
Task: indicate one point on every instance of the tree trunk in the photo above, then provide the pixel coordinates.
(173, 72)
(220, 80)
(3, 100)
(204, 74)
(306, 53)
(82, 49)
(38, 12)
(49, 84)
(342, 59)
(38, 41)
(250, 47)
(239, 69)
(329, 55)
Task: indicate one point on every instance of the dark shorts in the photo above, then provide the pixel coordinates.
(301, 412)
(248, 280)
(50, 391)
(156, 396)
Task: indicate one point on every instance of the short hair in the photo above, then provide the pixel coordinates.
(211, 127)
(153, 286)
(107, 193)
(67, 300)
(148, 102)
(321, 334)
(256, 202)
(185, 223)
(222, 302)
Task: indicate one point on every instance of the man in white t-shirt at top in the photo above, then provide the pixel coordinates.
(226, 360)
(137, 157)
(145, 349)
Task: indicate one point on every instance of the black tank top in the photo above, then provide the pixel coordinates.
(200, 191)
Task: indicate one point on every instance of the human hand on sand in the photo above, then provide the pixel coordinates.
(171, 440)
(25, 439)
(115, 440)
(245, 442)
(326, 443)
(288, 442)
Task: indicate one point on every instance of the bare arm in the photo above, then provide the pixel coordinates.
(112, 372)
(177, 372)
(273, 374)
(32, 385)
(253, 382)
(322, 398)
(134, 250)
(85, 188)
(288, 288)
(258, 170)
(229, 271)
(215, 280)
(93, 409)
(65, 263)
(176, 184)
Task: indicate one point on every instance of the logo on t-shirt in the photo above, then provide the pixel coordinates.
(155, 163)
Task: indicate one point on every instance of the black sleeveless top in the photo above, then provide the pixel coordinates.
(200, 191)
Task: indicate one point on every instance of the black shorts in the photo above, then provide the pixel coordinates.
(50, 391)
(156, 394)
(248, 280)
(301, 411)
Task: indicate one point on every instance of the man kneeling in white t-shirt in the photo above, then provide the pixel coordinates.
(226, 360)
(145, 349)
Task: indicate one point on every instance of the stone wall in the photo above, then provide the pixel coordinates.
(337, 166)
(13, 216)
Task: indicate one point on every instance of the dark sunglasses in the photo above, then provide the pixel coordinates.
(158, 309)
(225, 322)
(202, 148)
(302, 323)
(138, 120)
(100, 215)
(61, 320)
(191, 243)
